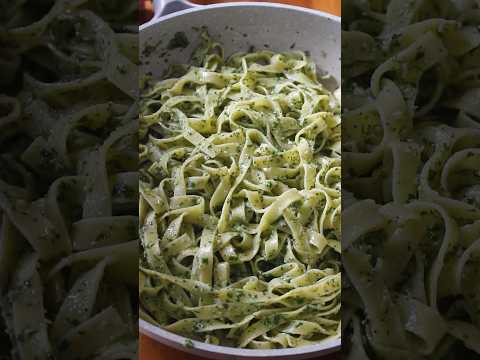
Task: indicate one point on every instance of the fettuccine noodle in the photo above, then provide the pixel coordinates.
(240, 201)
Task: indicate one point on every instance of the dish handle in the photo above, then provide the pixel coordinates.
(165, 7)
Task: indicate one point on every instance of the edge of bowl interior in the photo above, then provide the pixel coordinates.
(327, 55)
(224, 352)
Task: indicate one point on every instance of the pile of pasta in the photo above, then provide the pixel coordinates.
(240, 201)
(68, 180)
(411, 160)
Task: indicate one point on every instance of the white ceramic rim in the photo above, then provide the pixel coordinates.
(327, 346)
(157, 20)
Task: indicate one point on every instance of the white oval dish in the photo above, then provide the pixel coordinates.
(238, 26)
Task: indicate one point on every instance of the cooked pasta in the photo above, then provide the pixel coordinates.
(240, 201)
(411, 151)
(68, 180)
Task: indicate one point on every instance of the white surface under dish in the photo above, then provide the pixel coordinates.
(239, 26)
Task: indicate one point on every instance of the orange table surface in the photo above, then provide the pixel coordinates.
(330, 6)
(151, 350)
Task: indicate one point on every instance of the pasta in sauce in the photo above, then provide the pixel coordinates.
(240, 201)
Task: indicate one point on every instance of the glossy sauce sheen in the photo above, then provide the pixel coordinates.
(149, 349)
